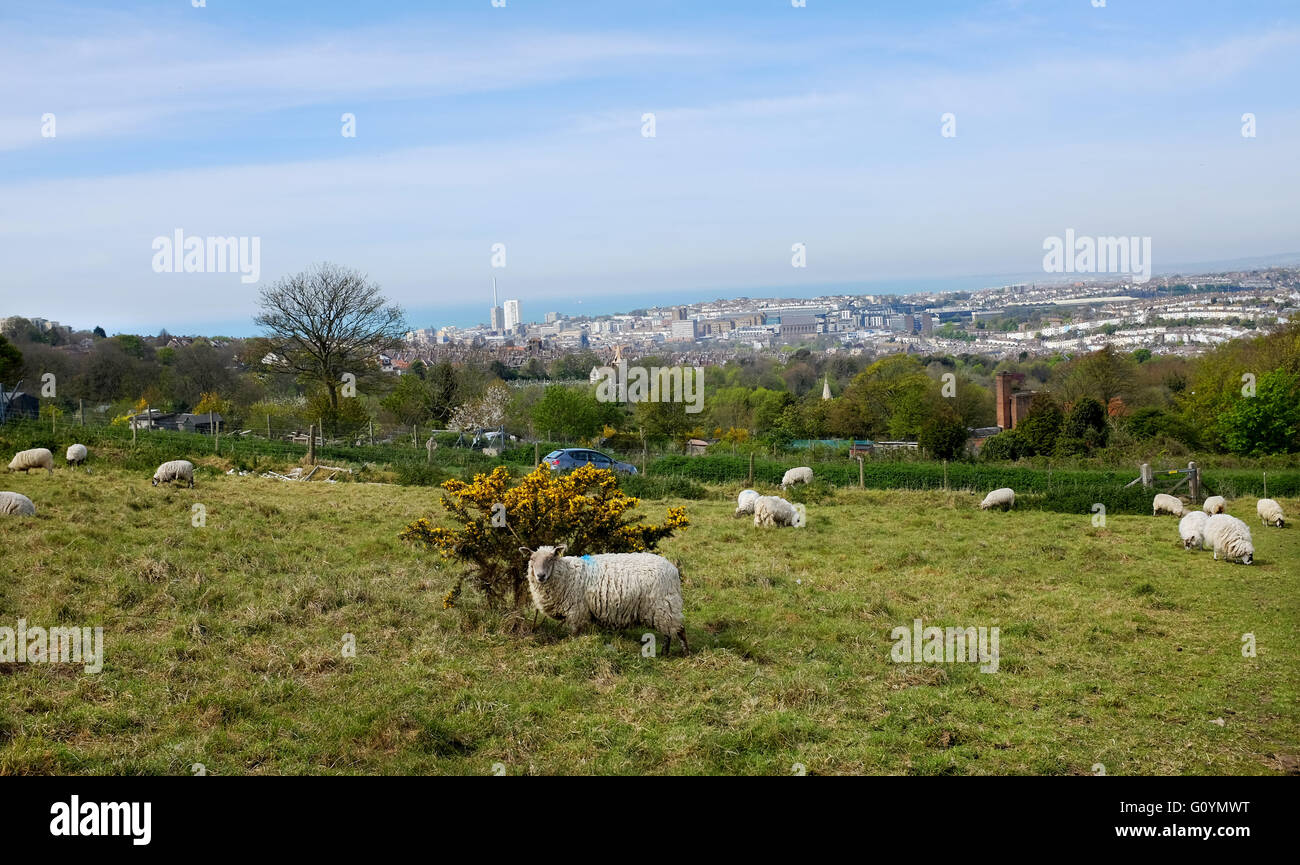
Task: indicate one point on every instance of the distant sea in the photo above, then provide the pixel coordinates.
(462, 314)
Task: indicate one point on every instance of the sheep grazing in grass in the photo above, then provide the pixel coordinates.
(77, 454)
(1165, 504)
(36, 458)
(175, 470)
(773, 511)
(616, 590)
(800, 475)
(1004, 498)
(1270, 512)
(16, 504)
(1215, 505)
(1191, 528)
(745, 502)
(1229, 537)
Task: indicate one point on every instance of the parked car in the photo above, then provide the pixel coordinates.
(571, 458)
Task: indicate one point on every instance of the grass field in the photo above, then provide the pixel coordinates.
(224, 643)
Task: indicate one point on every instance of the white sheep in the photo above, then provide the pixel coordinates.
(745, 502)
(1166, 504)
(1191, 528)
(1229, 537)
(77, 454)
(36, 458)
(1004, 498)
(616, 590)
(1270, 512)
(773, 511)
(1215, 505)
(16, 503)
(800, 475)
(175, 470)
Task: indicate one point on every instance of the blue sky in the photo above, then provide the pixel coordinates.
(522, 125)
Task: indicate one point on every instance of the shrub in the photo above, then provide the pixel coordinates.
(1267, 422)
(943, 438)
(644, 487)
(418, 474)
(1005, 446)
(584, 509)
(1042, 424)
(816, 493)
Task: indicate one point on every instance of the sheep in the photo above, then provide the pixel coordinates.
(1229, 537)
(1164, 504)
(773, 511)
(1191, 528)
(1215, 505)
(800, 475)
(1270, 512)
(36, 458)
(745, 502)
(17, 504)
(1004, 498)
(615, 590)
(175, 470)
(77, 454)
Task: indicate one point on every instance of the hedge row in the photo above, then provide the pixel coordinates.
(1067, 488)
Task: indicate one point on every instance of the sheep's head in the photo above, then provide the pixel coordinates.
(1248, 558)
(154, 481)
(542, 560)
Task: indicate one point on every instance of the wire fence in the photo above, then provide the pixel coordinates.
(166, 435)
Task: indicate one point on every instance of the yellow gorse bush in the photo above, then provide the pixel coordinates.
(584, 509)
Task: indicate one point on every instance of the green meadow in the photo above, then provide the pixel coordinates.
(225, 643)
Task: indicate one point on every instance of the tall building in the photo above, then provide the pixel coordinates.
(497, 316)
(512, 316)
(683, 329)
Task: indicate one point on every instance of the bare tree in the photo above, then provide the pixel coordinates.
(327, 321)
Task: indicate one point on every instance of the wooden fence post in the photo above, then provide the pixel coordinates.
(216, 446)
(862, 473)
(750, 483)
(945, 476)
(1147, 478)
(81, 410)
(311, 443)
(537, 454)
(268, 426)
(1194, 482)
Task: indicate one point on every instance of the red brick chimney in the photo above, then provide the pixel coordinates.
(1005, 419)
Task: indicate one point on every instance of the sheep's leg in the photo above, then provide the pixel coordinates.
(681, 635)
